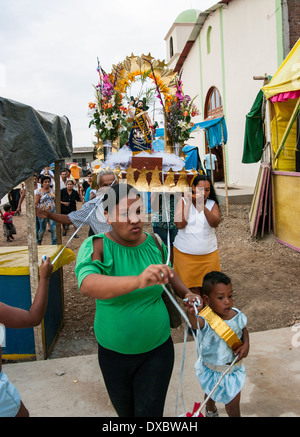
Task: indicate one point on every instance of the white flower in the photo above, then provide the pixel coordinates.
(103, 118)
(115, 116)
(109, 125)
(182, 124)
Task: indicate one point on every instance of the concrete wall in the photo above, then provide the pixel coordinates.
(246, 38)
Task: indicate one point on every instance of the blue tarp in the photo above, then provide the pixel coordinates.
(159, 132)
(212, 128)
(191, 157)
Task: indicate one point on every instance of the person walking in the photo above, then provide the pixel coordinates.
(45, 200)
(122, 269)
(211, 165)
(8, 227)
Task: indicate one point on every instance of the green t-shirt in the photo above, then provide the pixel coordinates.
(136, 322)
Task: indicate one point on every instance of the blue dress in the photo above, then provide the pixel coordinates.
(215, 352)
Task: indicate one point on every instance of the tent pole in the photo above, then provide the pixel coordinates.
(269, 135)
(225, 172)
(33, 261)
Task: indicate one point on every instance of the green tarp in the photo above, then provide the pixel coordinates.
(29, 140)
(254, 132)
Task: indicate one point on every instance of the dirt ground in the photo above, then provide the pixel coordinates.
(264, 273)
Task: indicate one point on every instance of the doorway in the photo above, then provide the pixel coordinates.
(214, 109)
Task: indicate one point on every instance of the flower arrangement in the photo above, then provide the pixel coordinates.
(107, 112)
(179, 115)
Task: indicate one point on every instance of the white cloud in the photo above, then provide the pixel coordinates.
(49, 50)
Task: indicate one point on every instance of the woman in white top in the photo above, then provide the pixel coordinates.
(195, 247)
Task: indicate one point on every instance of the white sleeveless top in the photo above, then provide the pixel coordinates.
(198, 237)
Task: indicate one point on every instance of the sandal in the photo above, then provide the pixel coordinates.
(214, 413)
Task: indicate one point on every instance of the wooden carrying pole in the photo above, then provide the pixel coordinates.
(33, 261)
(225, 172)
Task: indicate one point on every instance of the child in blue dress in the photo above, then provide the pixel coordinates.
(216, 354)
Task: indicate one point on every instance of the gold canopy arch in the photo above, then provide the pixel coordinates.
(126, 72)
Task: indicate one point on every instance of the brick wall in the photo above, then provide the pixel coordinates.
(294, 21)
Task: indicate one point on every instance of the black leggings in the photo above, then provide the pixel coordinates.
(137, 384)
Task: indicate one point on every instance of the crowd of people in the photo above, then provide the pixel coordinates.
(71, 192)
(122, 269)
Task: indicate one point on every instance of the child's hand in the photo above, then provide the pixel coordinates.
(242, 351)
(189, 301)
(46, 269)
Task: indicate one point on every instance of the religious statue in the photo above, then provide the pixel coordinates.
(140, 138)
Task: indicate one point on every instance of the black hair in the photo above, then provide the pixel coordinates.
(44, 178)
(203, 177)
(116, 193)
(213, 278)
(7, 207)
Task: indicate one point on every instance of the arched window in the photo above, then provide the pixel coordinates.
(171, 47)
(213, 104)
(208, 39)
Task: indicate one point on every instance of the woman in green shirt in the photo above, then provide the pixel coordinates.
(122, 269)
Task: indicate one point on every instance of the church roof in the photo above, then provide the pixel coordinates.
(188, 16)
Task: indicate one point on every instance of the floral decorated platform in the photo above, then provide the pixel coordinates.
(124, 131)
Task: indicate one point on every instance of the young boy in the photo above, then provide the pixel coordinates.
(10, 317)
(8, 226)
(216, 351)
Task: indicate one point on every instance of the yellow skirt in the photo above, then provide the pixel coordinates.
(192, 268)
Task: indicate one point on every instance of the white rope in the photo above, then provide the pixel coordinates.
(197, 340)
(183, 314)
(196, 414)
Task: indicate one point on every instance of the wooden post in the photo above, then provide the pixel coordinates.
(225, 172)
(57, 201)
(211, 169)
(33, 261)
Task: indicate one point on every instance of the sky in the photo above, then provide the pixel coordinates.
(49, 49)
